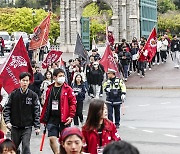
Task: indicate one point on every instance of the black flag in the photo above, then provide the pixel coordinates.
(80, 51)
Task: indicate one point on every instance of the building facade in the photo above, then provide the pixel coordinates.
(125, 20)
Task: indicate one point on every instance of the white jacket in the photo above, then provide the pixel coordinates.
(164, 45)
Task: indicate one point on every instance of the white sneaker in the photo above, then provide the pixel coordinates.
(101, 95)
(177, 66)
(145, 69)
(138, 74)
(142, 76)
(153, 64)
(149, 69)
(157, 63)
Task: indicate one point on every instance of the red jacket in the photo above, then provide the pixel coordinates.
(92, 139)
(143, 56)
(68, 103)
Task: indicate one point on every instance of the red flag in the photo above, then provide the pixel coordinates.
(151, 45)
(41, 34)
(17, 62)
(108, 61)
(53, 56)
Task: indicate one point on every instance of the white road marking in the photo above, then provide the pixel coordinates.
(132, 127)
(166, 103)
(142, 105)
(148, 131)
(169, 135)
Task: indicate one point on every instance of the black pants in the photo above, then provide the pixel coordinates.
(22, 135)
(134, 65)
(154, 58)
(2, 51)
(141, 66)
(78, 116)
(117, 113)
(163, 55)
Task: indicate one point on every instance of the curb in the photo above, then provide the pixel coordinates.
(156, 87)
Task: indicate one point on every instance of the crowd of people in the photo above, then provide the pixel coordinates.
(55, 99)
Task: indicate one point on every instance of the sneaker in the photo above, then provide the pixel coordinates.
(153, 64)
(145, 69)
(101, 95)
(177, 66)
(138, 74)
(117, 126)
(149, 69)
(162, 62)
(142, 76)
(157, 63)
(125, 79)
(91, 95)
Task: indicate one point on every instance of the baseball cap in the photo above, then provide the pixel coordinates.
(70, 131)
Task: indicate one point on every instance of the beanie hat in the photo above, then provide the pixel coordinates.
(70, 131)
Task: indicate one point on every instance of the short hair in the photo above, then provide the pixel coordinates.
(57, 71)
(120, 147)
(24, 74)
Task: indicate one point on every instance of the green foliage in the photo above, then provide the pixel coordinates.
(165, 5)
(169, 22)
(99, 14)
(21, 19)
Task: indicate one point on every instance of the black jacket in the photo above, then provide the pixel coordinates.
(80, 89)
(22, 109)
(175, 45)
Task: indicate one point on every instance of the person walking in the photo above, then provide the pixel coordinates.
(21, 112)
(79, 90)
(59, 108)
(115, 94)
(2, 46)
(175, 48)
(98, 131)
(142, 58)
(163, 49)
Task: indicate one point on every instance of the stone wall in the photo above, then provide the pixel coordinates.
(125, 20)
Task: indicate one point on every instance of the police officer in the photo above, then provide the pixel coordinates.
(115, 94)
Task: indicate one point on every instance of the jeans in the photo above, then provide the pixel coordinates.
(116, 108)
(78, 114)
(125, 68)
(23, 135)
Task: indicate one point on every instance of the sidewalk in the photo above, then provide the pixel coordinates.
(164, 76)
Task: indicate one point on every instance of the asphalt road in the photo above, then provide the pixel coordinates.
(151, 122)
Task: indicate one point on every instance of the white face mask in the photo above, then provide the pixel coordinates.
(61, 80)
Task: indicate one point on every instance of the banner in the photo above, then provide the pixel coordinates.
(108, 61)
(53, 56)
(151, 45)
(41, 34)
(17, 62)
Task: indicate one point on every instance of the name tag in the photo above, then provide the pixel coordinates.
(55, 104)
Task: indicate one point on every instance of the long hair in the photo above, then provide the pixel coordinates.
(95, 113)
(75, 82)
(45, 75)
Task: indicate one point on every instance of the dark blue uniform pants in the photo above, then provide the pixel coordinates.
(116, 108)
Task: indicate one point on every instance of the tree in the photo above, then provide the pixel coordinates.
(165, 5)
(21, 19)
